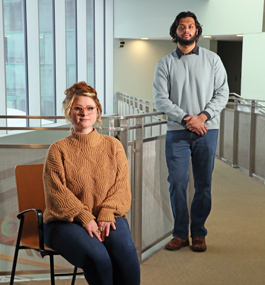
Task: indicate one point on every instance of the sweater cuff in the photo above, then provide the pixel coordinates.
(106, 215)
(206, 114)
(84, 217)
(183, 122)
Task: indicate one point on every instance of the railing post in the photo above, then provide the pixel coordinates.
(252, 145)
(136, 103)
(111, 127)
(141, 104)
(138, 172)
(235, 135)
(124, 134)
(147, 107)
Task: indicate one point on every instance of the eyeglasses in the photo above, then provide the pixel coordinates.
(90, 110)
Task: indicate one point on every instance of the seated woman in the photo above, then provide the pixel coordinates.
(87, 192)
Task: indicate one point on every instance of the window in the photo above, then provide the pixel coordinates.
(71, 56)
(57, 58)
(47, 65)
(15, 56)
(90, 42)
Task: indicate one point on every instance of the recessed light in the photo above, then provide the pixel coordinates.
(144, 38)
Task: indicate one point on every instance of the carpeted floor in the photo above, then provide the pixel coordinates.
(236, 240)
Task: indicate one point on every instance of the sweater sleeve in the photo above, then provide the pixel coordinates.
(118, 199)
(61, 203)
(221, 90)
(161, 90)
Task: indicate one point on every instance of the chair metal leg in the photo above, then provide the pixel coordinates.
(16, 251)
(14, 266)
(74, 275)
(52, 269)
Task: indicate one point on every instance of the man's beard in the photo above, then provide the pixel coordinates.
(183, 42)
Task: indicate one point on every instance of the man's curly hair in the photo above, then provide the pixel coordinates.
(173, 28)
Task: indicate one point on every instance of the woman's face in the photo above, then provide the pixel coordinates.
(83, 114)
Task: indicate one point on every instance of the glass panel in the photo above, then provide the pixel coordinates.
(71, 42)
(244, 139)
(228, 135)
(15, 57)
(260, 147)
(157, 219)
(46, 25)
(90, 42)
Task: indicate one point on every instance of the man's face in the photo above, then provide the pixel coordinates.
(186, 31)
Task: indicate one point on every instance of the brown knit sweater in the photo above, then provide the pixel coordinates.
(86, 177)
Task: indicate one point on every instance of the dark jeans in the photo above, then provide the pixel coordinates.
(113, 262)
(180, 146)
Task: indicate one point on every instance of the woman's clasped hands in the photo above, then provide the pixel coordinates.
(100, 230)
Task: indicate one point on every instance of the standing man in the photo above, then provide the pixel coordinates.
(190, 87)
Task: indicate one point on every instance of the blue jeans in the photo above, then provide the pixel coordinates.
(180, 146)
(114, 261)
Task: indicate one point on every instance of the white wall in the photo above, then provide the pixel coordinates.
(134, 66)
(152, 18)
(253, 67)
(135, 63)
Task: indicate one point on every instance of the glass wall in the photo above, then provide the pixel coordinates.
(15, 56)
(47, 58)
(90, 42)
(71, 43)
(41, 57)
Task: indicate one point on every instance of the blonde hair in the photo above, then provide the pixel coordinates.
(80, 89)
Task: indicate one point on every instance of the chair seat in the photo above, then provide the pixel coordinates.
(33, 242)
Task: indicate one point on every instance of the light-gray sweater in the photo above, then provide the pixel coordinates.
(189, 85)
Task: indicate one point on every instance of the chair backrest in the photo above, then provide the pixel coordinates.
(30, 194)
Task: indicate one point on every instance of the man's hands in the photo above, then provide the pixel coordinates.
(196, 124)
(100, 230)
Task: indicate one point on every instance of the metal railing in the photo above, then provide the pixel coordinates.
(24, 145)
(141, 130)
(241, 134)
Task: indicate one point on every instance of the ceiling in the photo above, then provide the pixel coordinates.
(233, 38)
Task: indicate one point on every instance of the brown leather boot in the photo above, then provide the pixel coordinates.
(177, 243)
(198, 244)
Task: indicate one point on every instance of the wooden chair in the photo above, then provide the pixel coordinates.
(31, 204)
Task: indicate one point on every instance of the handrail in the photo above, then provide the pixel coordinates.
(55, 128)
(253, 107)
(136, 129)
(62, 117)
(125, 125)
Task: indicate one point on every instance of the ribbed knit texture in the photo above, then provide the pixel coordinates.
(86, 177)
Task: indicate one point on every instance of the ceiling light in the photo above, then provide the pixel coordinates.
(207, 37)
(239, 35)
(144, 38)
